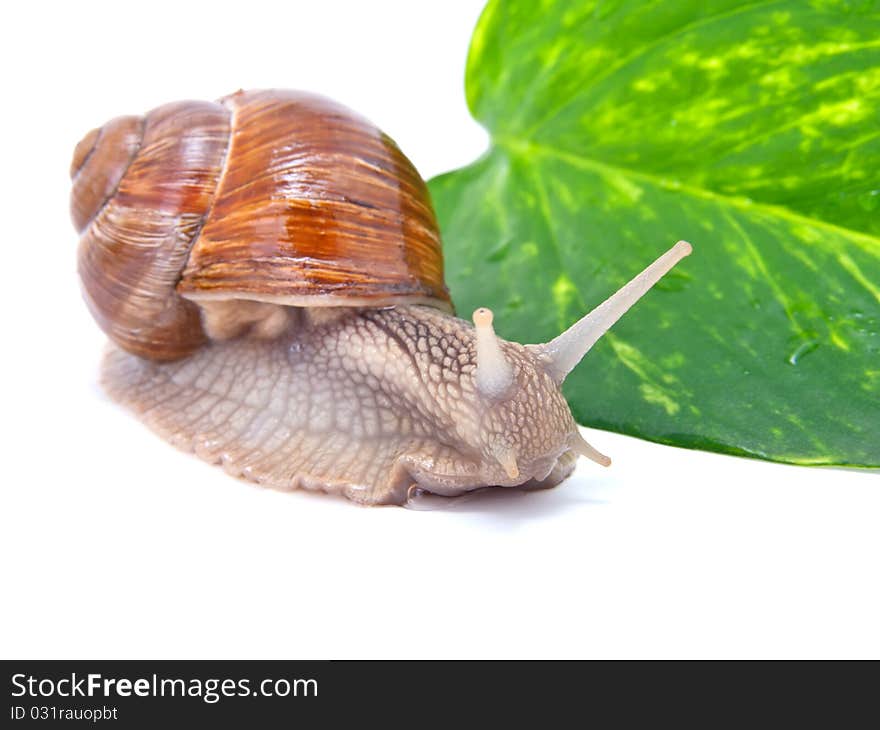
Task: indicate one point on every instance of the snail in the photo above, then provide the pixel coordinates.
(268, 268)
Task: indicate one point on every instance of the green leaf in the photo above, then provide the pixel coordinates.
(751, 130)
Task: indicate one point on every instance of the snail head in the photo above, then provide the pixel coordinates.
(527, 433)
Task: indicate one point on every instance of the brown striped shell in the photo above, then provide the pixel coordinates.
(268, 196)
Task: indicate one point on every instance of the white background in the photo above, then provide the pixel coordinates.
(115, 545)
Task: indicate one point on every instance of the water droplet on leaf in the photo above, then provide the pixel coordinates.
(802, 350)
(870, 200)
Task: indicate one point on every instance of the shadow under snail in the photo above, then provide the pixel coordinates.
(269, 270)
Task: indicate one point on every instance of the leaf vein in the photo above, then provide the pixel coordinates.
(867, 241)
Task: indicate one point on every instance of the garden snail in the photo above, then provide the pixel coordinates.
(269, 270)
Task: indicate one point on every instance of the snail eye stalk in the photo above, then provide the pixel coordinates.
(494, 373)
(563, 353)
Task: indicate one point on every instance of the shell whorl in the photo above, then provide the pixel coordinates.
(316, 201)
(99, 162)
(136, 242)
(273, 196)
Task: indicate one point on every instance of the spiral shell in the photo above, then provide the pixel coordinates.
(267, 196)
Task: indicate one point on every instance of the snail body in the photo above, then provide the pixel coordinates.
(269, 270)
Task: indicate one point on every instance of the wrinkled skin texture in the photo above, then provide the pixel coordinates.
(372, 404)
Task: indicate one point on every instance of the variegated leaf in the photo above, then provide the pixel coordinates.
(751, 129)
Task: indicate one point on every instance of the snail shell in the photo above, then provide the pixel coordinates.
(273, 196)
